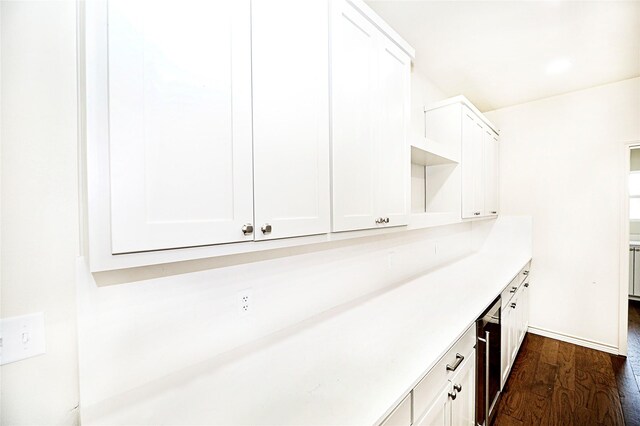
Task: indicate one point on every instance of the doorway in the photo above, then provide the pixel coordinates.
(633, 237)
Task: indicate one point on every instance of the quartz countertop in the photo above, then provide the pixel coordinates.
(351, 365)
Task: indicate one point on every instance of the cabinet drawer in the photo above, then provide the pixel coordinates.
(524, 272)
(510, 291)
(514, 285)
(401, 416)
(427, 390)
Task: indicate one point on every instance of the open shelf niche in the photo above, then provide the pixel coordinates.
(436, 197)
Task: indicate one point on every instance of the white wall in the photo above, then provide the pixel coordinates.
(135, 333)
(561, 161)
(40, 204)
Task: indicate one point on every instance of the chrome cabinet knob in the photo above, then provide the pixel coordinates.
(525, 272)
(513, 289)
(379, 220)
(266, 228)
(458, 388)
(494, 212)
(386, 220)
(526, 284)
(477, 213)
(453, 395)
(247, 229)
(513, 305)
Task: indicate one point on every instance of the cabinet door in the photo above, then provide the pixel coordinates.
(506, 319)
(354, 150)
(439, 413)
(513, 329)
(290, 62)
(526, 295)
(472, 165)
(394, 75)
(179, 123)
(463, 408)
(490, 155)
(521, 310)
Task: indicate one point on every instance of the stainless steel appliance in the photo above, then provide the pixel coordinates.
(488, 363)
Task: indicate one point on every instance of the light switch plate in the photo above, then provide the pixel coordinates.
(21, 337)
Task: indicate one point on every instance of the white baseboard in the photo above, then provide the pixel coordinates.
(575, 340)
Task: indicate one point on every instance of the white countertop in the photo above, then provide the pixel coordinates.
(350, 366)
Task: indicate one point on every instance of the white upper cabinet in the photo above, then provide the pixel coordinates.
(370, 112)
(394, 75)
(355, 154)
(208, 123)
(490, 156)
(179, 123)
(290, 50)
(479, 145)
(472, 165)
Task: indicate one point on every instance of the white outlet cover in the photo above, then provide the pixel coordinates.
(245, 302)
(21, 337)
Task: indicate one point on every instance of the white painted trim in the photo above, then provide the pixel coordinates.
(463, 100)
(376, 20)
(575, 340)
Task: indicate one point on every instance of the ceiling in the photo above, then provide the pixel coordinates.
(501, 53)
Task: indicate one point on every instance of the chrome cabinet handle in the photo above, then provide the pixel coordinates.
(266, 228)
(458, 388)
(494, 212)
(513, 289)
(247, 229)
(477, 213)
(459, 359)
(386, 220)
(525, 272)
(380, 220)
(513, 305)
(453, 395)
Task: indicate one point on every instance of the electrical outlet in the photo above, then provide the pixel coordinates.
(245, 301)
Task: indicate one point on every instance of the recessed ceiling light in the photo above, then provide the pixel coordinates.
(558, 66)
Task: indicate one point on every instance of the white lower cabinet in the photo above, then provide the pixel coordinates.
(463, 401)
(515, 320)
(440, 412)
(634, 271)
(446, 395)
(454, 405)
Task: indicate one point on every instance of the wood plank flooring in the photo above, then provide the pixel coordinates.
(557, 383)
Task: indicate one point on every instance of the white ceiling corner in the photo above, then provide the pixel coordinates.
(501, 53)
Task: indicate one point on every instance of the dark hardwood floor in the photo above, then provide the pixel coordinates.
(557, 383)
